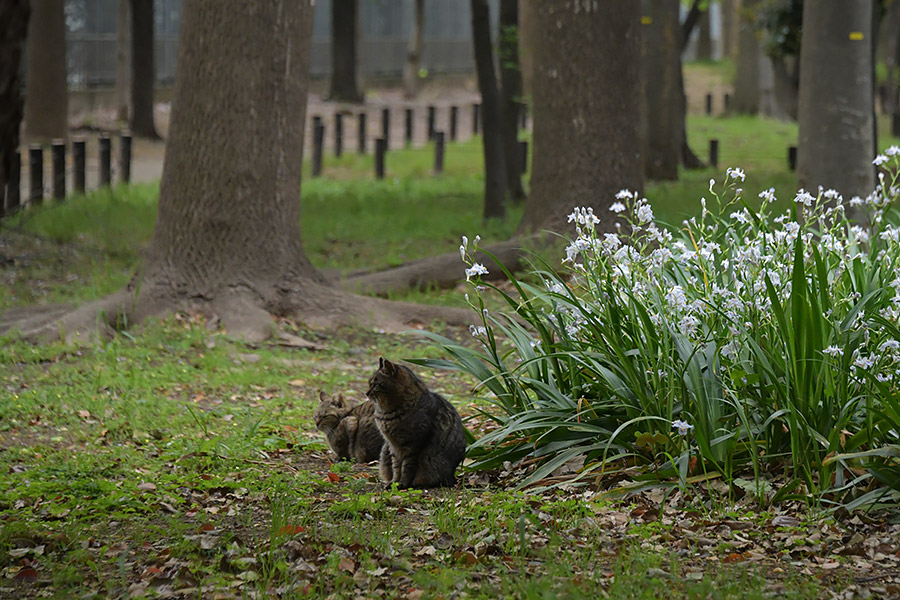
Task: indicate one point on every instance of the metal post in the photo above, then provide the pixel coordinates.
(36, 174)
(361, 133)
(380, 148)
(105, 161)
(318, 141)
(438, 152)
(714, 152)
(79, 152)
(125, 157)
(58, 162)
(454, 115)
(408, 129)
(338, 134)
(431, 116)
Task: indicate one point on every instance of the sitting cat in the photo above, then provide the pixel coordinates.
(349, 428)
(424, 436)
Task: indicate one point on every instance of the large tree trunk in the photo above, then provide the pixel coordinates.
(704, 38)
(662, 89)
(836, 135)
(746, 83)
(492, 140)
(143, 72)
(414, 51)
(122, 70)
(227, 237)
(344, 56)
(46, 89)
(511, 96)
(586, 119)
(13, 30)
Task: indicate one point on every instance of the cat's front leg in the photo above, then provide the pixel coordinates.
(386, 464)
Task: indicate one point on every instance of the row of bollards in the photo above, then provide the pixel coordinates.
(709, 103)
(12, 200)
(714, 155)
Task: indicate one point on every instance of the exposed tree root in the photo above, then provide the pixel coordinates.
(243, 314)
(446, 270)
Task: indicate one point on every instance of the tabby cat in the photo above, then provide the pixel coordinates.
(349, 428)
(424, 436)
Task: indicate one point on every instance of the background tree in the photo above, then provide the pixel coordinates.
(729, 28)
(344, 53)
(414, 51)
(143, 71)
(491, 140)
(664, 113)
(586, 109)
(511, 103)
(227, 238)
(704, 37)
(13, 30)
(746, 81)
(122, 54)
(46, 88)
(837, 127)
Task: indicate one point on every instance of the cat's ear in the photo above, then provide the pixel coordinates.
(388, 367)
(322, 396)
(339, 400)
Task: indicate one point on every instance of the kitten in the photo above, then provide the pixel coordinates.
(424, 436)
(349, 428)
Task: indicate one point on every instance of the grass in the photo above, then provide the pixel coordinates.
(174, 459)
(179, 460)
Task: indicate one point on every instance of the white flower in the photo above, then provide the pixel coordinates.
(478, 330)
(805, 198)
(623, 194)
(893, 151)
(890, 344)
(880, 160)
(833, 351)
(735, 173)
(616, 207)
(645, 213)
(476, 269)
(681, 426)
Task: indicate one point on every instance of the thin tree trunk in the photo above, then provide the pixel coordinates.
(122, 83)
(414, 51)
(46, 88)
(13, 31)
(586, 119)
(143, 71)
(492, 140)
(704, 39)
(746, 84)
(662, 89)
(511, 96)
(729, 28)
(344, 55)
(690, 21)
(836, 138)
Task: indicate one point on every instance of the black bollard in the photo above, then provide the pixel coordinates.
(709, 104)
(338, 134)
(727, 102)
(105, 160)
(79, 153)
(408, 127)
(438, 152)
(386, 126)
(361, 133)
(380, 148)
(318, 142)
(792, 158)
(36, 174)
(125, 158)
(476, 118)
(523, 156)
(454, 116)
(58, 163)
(714, 152)
(431, 115)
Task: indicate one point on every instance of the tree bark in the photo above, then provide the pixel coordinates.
(491, 140)
(414, 51)
(46, 88)
(729, 28)
(704, 38)
(664, 121)
(344, 55)
(511, 96)
(122, 70)
(586, 117)
(13, 31)
(143, 71)
(746, 84)
(836, 137)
